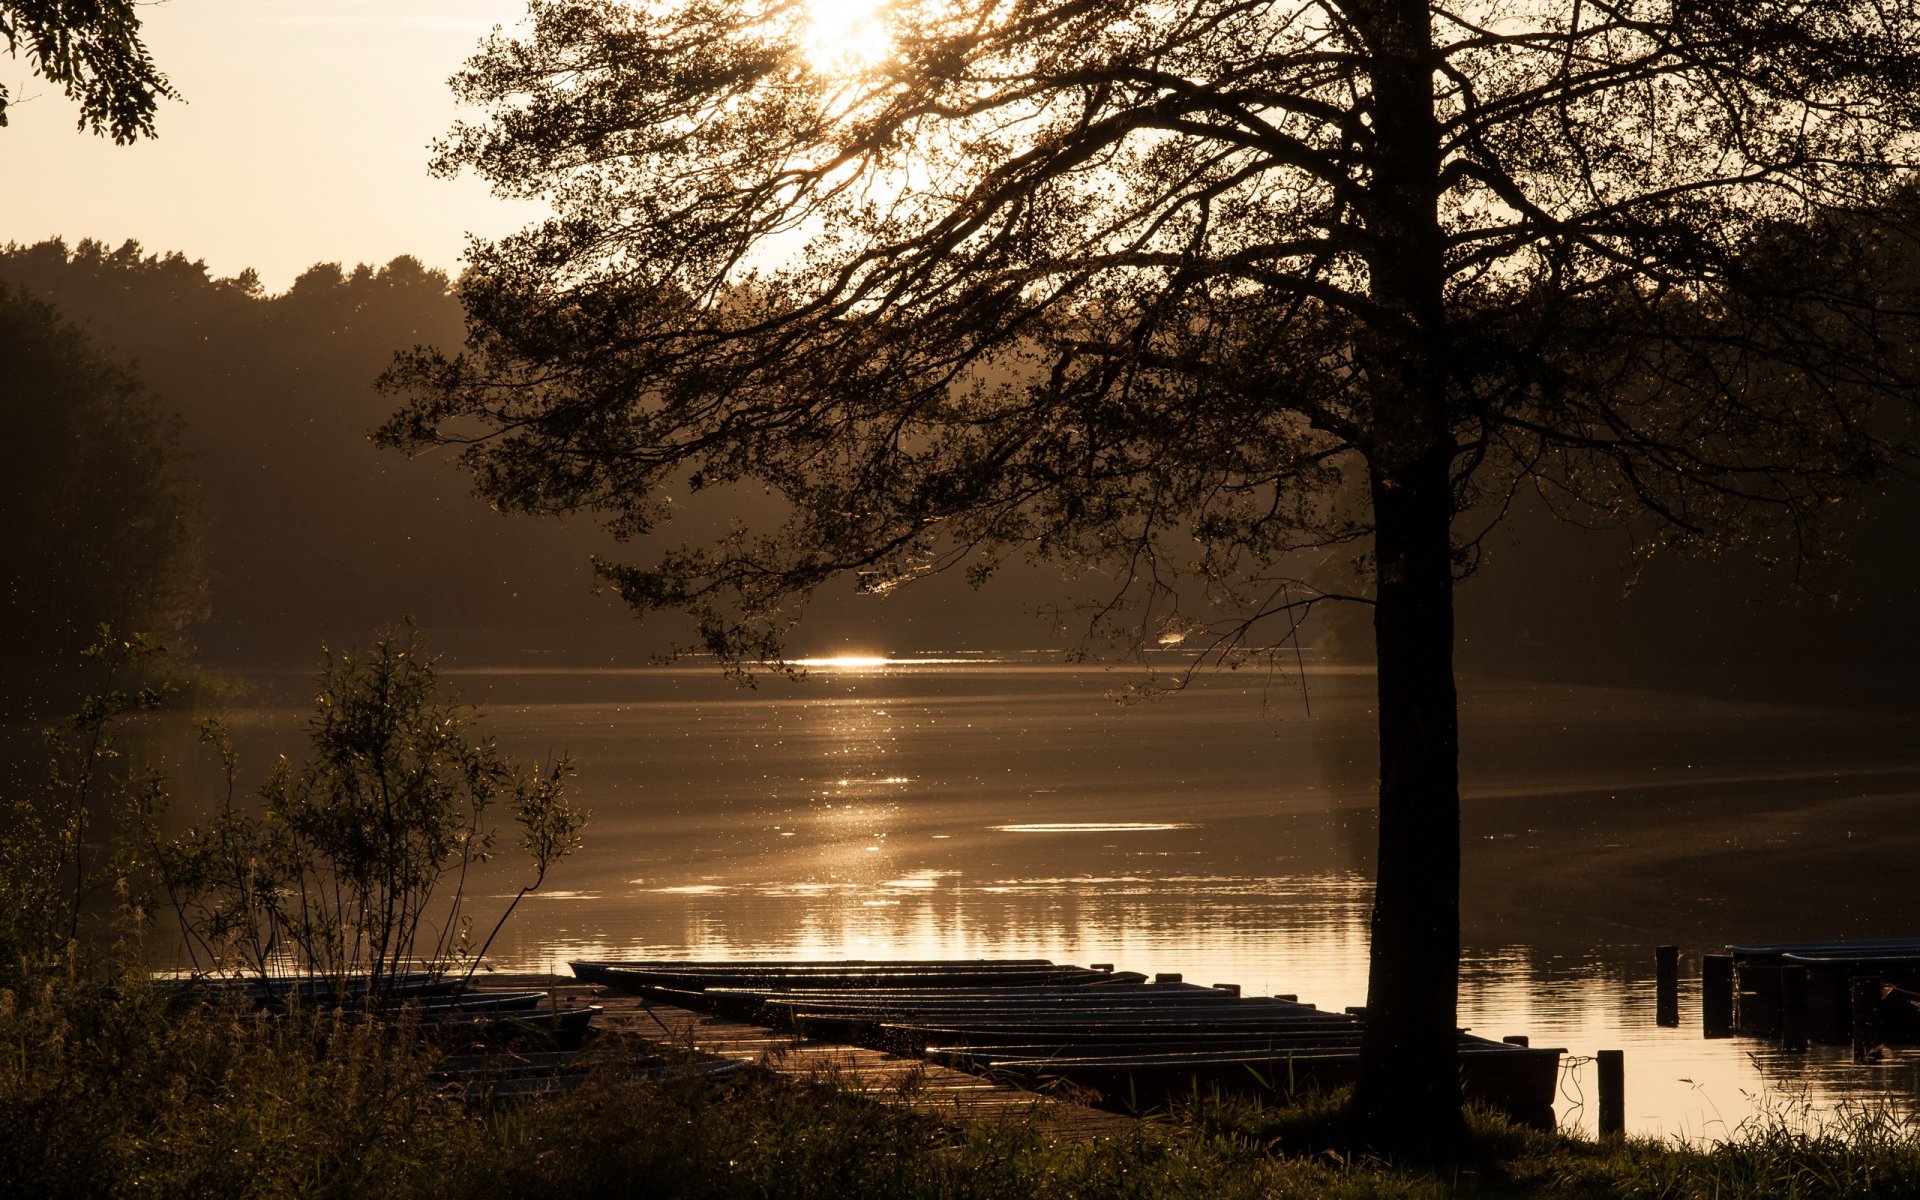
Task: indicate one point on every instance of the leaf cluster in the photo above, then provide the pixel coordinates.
(94, 50)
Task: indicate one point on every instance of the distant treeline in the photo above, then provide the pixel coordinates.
(286, 526)
(304, 530)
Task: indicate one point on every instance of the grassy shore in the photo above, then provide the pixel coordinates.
(115, 1097)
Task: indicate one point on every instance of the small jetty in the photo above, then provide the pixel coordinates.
(1128, 1043)
(1865, 992)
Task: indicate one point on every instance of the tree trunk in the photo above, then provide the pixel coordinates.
(1409, 1090)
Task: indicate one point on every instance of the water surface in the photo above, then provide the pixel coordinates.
(1003, 806)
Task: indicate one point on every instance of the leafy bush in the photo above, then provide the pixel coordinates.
(356, 861)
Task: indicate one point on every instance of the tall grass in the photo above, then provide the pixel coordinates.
(114, 1095)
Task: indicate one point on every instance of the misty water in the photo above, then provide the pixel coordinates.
(987, 805)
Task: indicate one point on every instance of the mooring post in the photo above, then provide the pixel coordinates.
(1865, 1024)
(1793, 1008)
(1716, 995)
(1612, 1066)
(1666, 984)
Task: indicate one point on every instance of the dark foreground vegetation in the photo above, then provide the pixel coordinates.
(114, 1097)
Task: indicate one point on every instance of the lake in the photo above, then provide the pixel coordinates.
(991, 805)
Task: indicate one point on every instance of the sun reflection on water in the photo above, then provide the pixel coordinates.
(845, 662)
(1094, 827)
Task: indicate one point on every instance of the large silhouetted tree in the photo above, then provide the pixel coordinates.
(93, 49)
(1187, 288)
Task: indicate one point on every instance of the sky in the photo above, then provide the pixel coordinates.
(304, 138)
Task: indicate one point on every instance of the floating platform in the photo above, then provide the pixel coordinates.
(1134, 1044)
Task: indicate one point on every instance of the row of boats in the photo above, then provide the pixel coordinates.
(1130, 1042)
(442, 1007)
(1121, 1039)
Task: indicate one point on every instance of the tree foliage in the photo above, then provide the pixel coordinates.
(1189, 290)
(99, 512)
(94, 51)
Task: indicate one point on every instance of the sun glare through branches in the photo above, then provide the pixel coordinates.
(846, 35)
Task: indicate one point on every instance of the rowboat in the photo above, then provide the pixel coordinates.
(1019, 1040)
(564, 1027)
(632, 977)
(596, 970)
(315, 991)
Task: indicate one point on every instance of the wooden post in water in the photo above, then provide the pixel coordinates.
(1865, 1024)
(1666, 985)
(1793, 1008)
(1716, 995)
(1612, 1067)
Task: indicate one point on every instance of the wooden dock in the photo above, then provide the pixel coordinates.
(1837, 992)
(940, 1092)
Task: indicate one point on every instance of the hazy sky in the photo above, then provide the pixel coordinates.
(303, 139)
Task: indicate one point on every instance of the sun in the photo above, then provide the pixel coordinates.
(846, 35)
